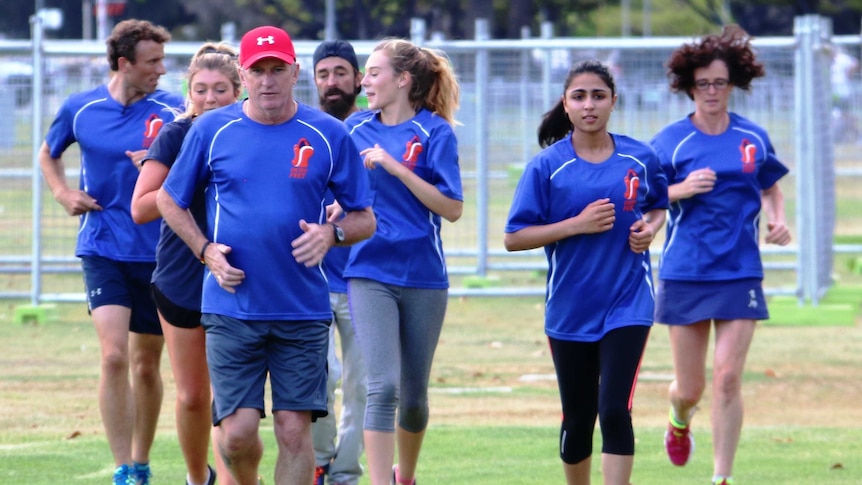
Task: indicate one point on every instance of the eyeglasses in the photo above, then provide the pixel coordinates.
(719, 84)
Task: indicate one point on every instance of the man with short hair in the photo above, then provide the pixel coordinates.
(337, 447)
(266, 164)
(114, 124)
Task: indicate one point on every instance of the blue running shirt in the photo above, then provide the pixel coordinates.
(407, 249)
(178, 273)
(104, 129)
(595, 283)
(260, 181)
(714, 236)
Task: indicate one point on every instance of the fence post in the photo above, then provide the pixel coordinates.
(815, 177)
(482, 165)
(524, 93)
(34, 312)
(37, 31)
(547, 34)
(417, 31)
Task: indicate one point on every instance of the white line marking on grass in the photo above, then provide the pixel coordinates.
(537, 377)
(469, 390)
(24, 446)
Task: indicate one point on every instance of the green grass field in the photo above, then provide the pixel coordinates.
(490, 423)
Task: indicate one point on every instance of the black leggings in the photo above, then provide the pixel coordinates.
(615, 360)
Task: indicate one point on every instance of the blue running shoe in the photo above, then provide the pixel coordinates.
(141, 473)
(124, 475)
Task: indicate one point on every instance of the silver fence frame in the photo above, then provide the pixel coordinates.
(815, 172)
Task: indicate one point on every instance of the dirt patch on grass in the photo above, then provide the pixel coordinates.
(802, 376)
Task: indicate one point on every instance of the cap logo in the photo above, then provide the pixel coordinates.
(261, 40)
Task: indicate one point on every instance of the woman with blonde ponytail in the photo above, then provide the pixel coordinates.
(397, 280)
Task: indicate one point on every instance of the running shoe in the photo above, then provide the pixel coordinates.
(320, 473)
(395, 480)
(212, 478)
(124, 475)
(679, 444)
(141, 473)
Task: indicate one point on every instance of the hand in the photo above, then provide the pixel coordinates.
(310, 248)
(378, 156)
(76, 202)
(778, 234)
(640, 236)
(136, 157)
(699, 181)
(597, 216)
(334, 212)
(225, 275)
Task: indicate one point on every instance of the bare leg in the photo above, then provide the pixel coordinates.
(295, 463)
(689, 348)
(380, 454)
(115, 392)
(579, 473)
(240, 445)
(187, 351)
(146, 354)
(732, 341)
(409, 446)
(617, 469)
(222, 470)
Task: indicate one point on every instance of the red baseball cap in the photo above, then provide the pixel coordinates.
(263, 42)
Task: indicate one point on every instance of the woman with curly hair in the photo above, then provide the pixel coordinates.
(722, 172)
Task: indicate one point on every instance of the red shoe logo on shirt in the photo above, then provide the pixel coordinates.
(632, 181)
(749, 156)
(411, 154)
(302, 153)
(151, 129)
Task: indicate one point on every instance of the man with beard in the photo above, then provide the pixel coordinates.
(337, 76)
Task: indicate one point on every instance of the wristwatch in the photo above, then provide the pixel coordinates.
(339, 233)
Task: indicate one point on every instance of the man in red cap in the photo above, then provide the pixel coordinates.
(265, 166)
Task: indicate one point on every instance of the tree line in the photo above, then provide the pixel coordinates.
(453, 19)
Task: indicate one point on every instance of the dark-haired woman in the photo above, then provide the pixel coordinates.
(594, 201)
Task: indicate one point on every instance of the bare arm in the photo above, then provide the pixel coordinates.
(75, 202)
(183, 224)
(596, 217)
(429, 195)
(772, 200)
(152, 176)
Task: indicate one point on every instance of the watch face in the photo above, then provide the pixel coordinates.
(339, 234)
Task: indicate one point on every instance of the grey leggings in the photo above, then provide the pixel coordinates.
(397, 329)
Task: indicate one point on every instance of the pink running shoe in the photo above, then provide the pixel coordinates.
(679, 444)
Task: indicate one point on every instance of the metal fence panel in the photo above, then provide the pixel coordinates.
(506, 87)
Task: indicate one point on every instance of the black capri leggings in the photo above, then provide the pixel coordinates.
(580, 365)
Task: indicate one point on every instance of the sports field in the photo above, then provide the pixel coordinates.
(494, 404)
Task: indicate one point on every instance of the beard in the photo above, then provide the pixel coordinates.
(339, 107)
